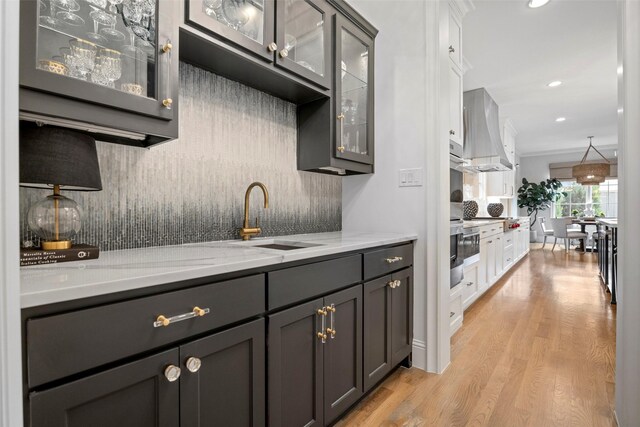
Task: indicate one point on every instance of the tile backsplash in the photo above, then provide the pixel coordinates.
(192, 189)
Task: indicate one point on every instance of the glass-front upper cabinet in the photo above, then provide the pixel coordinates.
(353, 93)
(304, 39)
(117, 53)
(247, 23)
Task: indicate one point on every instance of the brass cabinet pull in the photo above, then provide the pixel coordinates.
(172, 373)
(394, 259)
(331, 330)
(162, 320)
(284, 53)
(166, 48)
(193, 364)
(272, 47)
(341, 118)
(341, 149)
(167, 103)
(394, 284)
(322, 312)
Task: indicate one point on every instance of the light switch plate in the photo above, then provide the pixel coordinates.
(410, 177)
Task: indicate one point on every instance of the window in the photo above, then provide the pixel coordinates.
(600, 199)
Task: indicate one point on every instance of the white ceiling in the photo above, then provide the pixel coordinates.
(515, 51)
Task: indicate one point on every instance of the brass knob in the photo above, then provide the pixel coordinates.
(172, 373)
(163, 320)
(322, 336)
(331, 308)
(193, 364)
(332, 332)
(391, 284)
(167, 102)
(272, 47)
(398, 283)
(341, 117)
(341, 149)
(322, 311)
(451, 49)
(166, 48)
(284, 53)
(198, 311)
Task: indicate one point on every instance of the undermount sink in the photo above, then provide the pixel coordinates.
(280, 245)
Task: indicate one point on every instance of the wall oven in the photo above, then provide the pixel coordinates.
(456, 254)
(471, 245)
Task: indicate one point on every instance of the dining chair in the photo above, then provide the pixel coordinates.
(547, 232)
(560, 231)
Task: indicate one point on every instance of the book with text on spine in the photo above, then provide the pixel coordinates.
(31, 256)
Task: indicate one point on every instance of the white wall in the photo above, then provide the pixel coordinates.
(536, 169)
(10, 343)
(405, 105)
(628, 314)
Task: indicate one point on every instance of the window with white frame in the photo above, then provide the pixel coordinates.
(590, 200)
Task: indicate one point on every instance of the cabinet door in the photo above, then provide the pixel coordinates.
(137, 394)
(223, 378)
(455, 39)
(246, 24)
(499, 255)
(295, 366)
(455, 105)
(401, 315)
(491, 260)
(303, 36)
(116, 56)
(377, 330)
(342, 352)
(353, 92)
(482, 266)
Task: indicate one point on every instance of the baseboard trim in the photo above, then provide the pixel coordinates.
(419, 354)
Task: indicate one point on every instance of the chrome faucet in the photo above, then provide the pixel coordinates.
(246, 232)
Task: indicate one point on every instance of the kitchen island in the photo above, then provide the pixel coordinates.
(608, 254)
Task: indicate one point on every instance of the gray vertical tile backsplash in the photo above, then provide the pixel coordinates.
(192, 189)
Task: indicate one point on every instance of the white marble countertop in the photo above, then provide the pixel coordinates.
(481, 222)
(123, 270)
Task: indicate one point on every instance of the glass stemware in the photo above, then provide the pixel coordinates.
(70, 61)
(50, 21)
(111, 65)
(66, 14)
(98, 3)
(98, 76)
(112, 34)
(236, 13)
(113, 5)
(99, 16)
(84, 53)
(212, 8)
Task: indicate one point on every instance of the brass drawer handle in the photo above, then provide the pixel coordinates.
(331, 330)
(394, 284)
(162, 320)
(394, 259)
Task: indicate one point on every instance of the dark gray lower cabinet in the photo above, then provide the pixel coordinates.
(388, 326)
(229, 387)
(312, 382)
(133, 395)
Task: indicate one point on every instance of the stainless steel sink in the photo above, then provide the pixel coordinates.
(280, 245)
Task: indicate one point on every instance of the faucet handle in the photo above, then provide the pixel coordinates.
(257, 224)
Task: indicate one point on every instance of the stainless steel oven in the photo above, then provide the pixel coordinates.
(471, 245)
(456, 255)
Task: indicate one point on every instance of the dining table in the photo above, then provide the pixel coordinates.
(583, 228)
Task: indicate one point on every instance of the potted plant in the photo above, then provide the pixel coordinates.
(538, 197)
(575, 213)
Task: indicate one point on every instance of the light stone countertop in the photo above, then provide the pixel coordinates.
(481, 222)
(117, 271)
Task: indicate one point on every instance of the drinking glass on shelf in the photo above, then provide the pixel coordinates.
(50, 20)
(148, 8)
(98, 3)
(132, 12)
(113, 5)
(110, 65)
(212, 8)
(84, 53)
(99, 16)
(112, 34)
(98, 76)
(70, 61)
(66, 14)
(236, 13)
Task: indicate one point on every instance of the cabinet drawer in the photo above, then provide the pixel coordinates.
(469, 286)
(297, 284)
(378, 263)
(491, 230)
(73, 342)
(455, 314)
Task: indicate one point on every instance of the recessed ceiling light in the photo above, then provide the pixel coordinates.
(561, 119)
(555, 83)
(537, 3)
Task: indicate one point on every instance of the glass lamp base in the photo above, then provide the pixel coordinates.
(49, 245)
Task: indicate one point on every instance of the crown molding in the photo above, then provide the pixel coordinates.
(576, 150)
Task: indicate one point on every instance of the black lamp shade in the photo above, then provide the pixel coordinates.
(56, 156)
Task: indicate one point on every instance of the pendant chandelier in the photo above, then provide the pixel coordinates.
(591, 173)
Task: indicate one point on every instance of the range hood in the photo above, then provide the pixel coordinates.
(482, 142)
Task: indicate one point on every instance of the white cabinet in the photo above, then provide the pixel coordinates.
(455, 105)
(470, 285)
(456, 311)
(499, 248)
(455, 39)
(508, 252)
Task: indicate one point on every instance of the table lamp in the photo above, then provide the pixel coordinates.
(57, 158)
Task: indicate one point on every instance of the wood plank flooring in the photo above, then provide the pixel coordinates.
(538, 349)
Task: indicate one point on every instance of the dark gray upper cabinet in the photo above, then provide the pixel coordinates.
(108, 69)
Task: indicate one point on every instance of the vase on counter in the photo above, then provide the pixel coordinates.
(495, 209)
(470, 209)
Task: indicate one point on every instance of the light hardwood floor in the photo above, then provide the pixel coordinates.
(538, 349)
